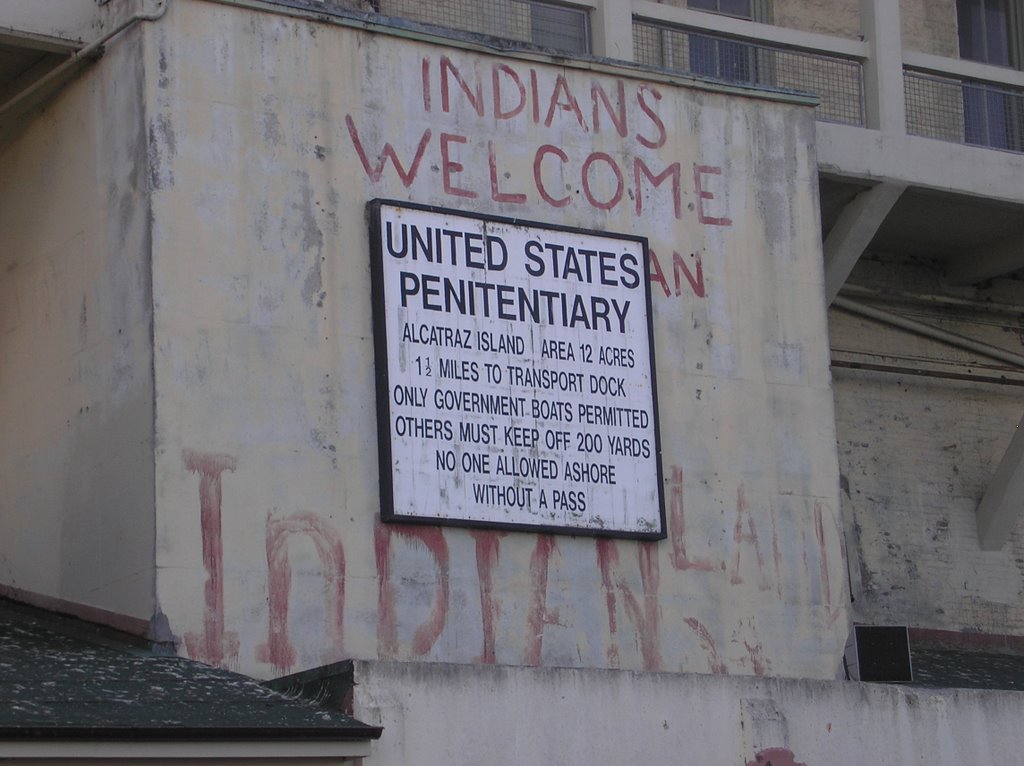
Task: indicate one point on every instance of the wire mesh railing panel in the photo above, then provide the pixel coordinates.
(965, 111)
(837, 81)
(545, 25)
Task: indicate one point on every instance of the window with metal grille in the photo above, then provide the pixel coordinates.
(553, 26)
(837, 80)
(992, 32)
(966, 111)
(722, 59)
(743, 9)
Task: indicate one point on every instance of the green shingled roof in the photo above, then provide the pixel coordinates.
(62, 678)
(961, 669)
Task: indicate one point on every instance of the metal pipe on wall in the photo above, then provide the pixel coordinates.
(929, 331)
(92, 49)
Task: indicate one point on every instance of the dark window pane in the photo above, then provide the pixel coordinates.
(997, 37)
(971, 29)
(989, 118)
(562, 29)
(721, 59)
(975, 116)
(734, 62)
(703, 56)
(984, 30)
(739, 8)
(735, 8)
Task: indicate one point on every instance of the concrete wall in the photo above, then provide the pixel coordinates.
(917, 453)
(269, 136)
(828, 17)
(841, 18)
(76, 399)
(467, 715)
(929, 26)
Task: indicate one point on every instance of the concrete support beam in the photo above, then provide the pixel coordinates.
(854, 231)
(970, 70)
(612, 30)
(994, 261)
(883, 71)
(924, 163)
(13, 38)
(71, 20)
(1001, 506)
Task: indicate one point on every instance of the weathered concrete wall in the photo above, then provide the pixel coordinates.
(444, 714)
(917, 453)
(76, 476)
(828, 17)
(929, 26)
(269, 136)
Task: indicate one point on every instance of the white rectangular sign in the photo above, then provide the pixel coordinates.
(515, 375)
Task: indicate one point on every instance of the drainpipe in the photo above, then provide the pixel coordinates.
(929, 331)
(92, 50)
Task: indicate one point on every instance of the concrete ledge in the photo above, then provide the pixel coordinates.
(922, 162)
(463, 714)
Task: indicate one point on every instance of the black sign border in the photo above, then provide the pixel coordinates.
(383, 387)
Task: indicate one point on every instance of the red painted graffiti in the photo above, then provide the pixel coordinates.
(832, 610)
(600, 176)
(612, 169)
(775, 756)
(278, 651)
(426, 635)
(516, 93)
(604, 563)
(538, 174)
(496, 193)
(487, 550)
(643, 611)
(563, 99)
(451, 167)
(623, 594)
(474, 93)
(703, 195)
(616, 112)
(672, 173)
(213, 646)
(539, 615)
(374, 172)
(755, 652)
(776, 556)
(750, 537)
(501, 93)
(715, 662)
(652, 114)
(680, 271)
(499, 74)
(677, 528)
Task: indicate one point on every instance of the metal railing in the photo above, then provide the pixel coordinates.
(965, 111)
(551, 26)
(838, 81)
